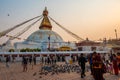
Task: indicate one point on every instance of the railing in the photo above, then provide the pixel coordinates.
(55, 52)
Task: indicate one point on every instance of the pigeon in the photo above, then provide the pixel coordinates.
(34, 74)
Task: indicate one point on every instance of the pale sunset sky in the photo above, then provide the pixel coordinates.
(95, 19)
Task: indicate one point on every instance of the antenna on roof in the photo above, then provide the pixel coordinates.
(116, 33)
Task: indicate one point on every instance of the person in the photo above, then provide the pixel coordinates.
(109, 67)
(48, 60)
(90, 62)
(24, 62)
(0, 58)
(13, 59)
(98, 67)
(34, 59)
(7, 61)
(118, 60)
(106, 57)
(81, 61)
(115, 65)
(30, 59)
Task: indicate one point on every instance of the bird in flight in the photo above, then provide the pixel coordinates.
(8, 15)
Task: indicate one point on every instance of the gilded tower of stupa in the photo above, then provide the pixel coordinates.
(45, 24)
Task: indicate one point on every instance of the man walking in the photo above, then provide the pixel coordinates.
(24, 62)
(81, 61)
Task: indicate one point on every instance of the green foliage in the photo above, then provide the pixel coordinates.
(11, 50)
(30, 50)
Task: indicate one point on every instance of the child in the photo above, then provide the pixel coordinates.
(110, 67)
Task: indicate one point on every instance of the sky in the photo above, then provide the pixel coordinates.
(93, 19)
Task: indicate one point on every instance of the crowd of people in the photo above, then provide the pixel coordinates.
(98, 64)
(107, 63)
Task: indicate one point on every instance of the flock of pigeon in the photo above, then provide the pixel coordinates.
(57, 69)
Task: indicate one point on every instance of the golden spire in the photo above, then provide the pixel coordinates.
(45, 24)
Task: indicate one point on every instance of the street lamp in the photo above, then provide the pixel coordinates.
(49, 42)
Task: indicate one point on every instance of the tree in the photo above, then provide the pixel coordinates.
(11, 50)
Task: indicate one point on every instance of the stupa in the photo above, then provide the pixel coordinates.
(44, 38)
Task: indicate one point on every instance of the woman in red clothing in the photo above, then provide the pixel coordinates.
(115, 65)
(118, 60)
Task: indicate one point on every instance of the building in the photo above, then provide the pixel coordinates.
(88, 45)
(114, 44)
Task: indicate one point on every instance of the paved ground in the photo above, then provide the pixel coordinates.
(14, 72)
